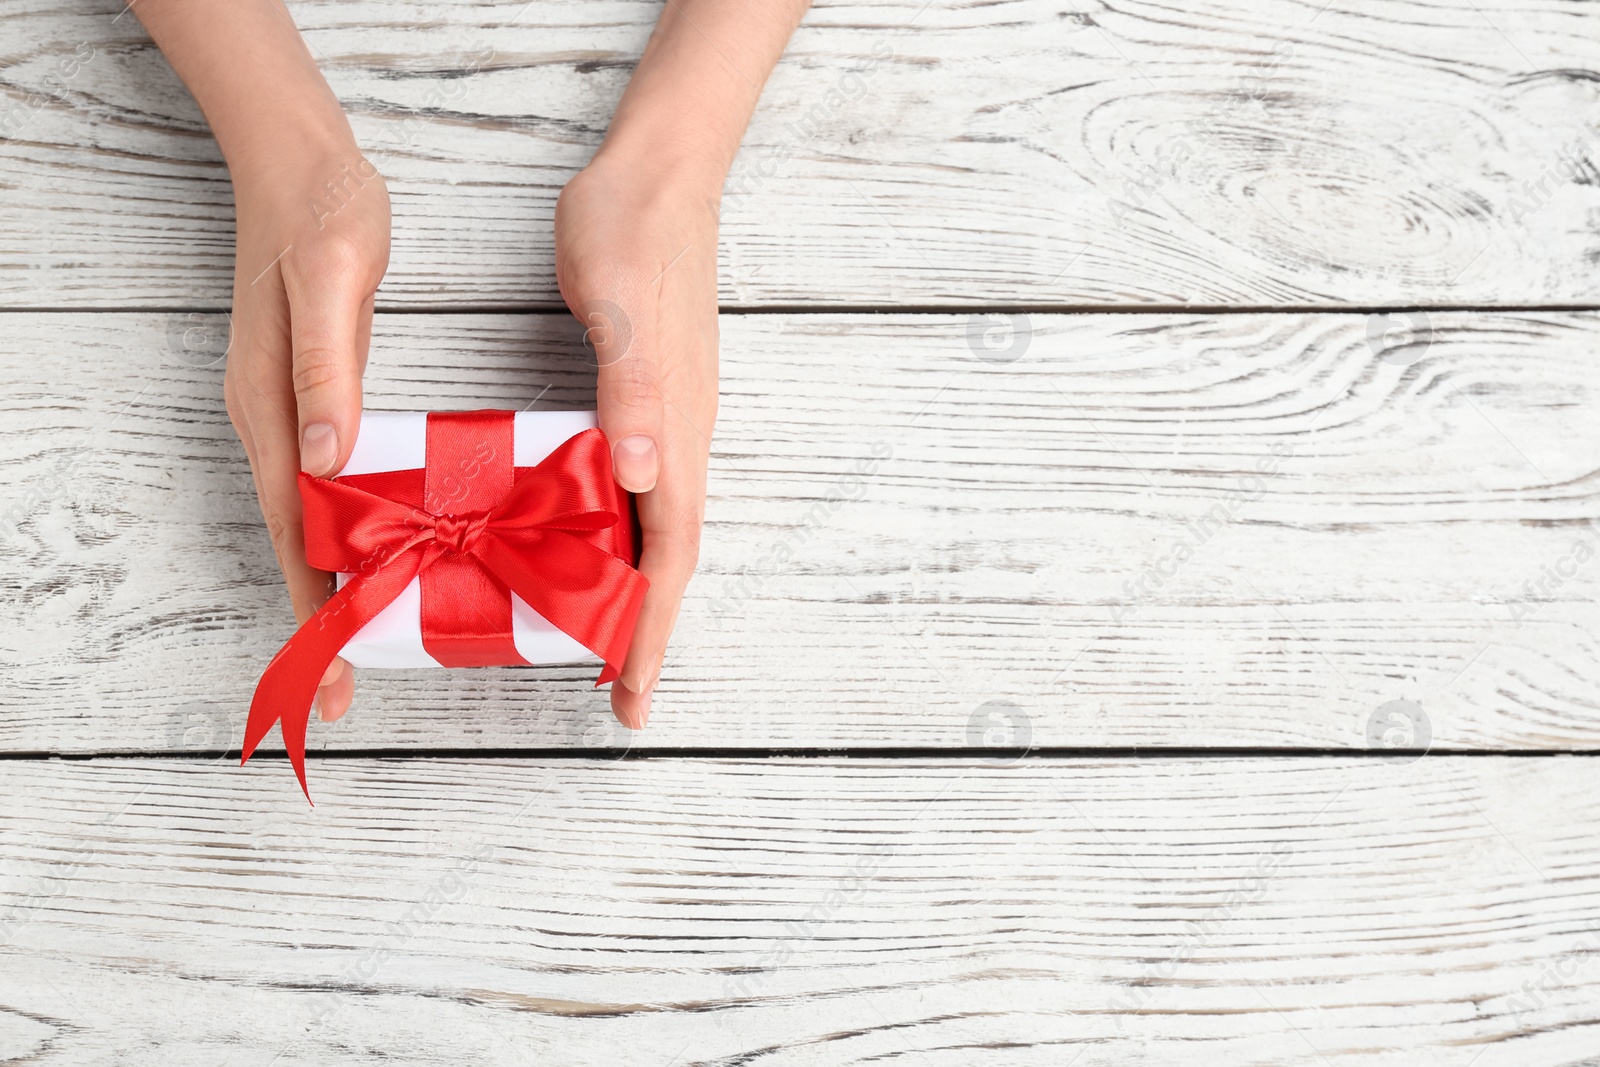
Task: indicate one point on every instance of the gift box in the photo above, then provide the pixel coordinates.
(460, 539)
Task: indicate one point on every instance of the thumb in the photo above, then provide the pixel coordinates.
(330, 325)
(628, 394)
(330, 321)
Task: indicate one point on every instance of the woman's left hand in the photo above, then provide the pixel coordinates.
(636, 259)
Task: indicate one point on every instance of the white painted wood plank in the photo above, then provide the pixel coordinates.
(1271, 911)
(1248, 153)
(1422, 537)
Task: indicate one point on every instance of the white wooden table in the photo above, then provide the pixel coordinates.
(1206, 667)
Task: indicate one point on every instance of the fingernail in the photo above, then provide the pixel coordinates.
(319, 449)
(634, 461)
(646, 677)
(644, 709)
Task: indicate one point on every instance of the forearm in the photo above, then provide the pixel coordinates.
(253, 77)
(694, 90)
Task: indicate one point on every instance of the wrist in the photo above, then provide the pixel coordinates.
(250, 71)
(675, 166)
(694, 89)
(286, 145)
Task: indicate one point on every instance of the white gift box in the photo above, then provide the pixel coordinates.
(397, 441)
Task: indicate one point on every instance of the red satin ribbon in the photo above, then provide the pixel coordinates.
(468, 469)
(559, 535)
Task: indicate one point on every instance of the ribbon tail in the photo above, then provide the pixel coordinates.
(599, 611)
(289, 684)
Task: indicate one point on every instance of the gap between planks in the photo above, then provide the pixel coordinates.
(887, 309)
(997, 756)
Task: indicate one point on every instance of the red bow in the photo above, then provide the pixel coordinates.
(559, 535)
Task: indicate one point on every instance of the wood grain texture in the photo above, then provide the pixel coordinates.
(1287, 912)
(1178, 529)
(1248, 153)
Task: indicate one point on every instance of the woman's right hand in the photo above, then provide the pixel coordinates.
(313, 243)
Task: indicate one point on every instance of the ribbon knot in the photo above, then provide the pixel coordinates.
(458, 533)
(559, 535)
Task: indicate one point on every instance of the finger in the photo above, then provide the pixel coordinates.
(628, 393)
(335, 693)
(668, 564)
(631, 709)
(329, 313)
(260, 402)
(364, 331)
(269, 435)
(670, 518)
(337, 690)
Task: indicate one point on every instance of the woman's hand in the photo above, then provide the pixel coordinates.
(313, 243)
(636, 258)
